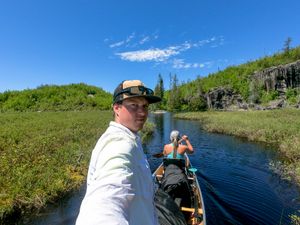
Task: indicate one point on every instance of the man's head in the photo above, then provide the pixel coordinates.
(130, 104)
(134, 88)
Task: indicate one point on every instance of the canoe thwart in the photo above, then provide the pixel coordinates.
(192, 210)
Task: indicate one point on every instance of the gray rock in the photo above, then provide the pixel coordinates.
(223, 98)
(279, 78)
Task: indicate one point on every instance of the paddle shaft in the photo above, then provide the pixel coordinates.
(158, 155)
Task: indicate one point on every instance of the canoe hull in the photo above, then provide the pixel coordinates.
(194, 212)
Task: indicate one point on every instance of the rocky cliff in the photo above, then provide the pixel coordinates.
(277, 78)
(223, 98)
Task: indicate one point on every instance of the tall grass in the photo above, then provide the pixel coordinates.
(281, 128)
(44, 155)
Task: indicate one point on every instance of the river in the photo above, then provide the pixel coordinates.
(235, 177)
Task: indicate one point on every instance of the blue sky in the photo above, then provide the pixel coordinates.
(104, 42)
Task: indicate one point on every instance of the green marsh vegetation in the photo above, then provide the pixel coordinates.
(56, 98)
(44, 155)
(147, 131)
(280, 128)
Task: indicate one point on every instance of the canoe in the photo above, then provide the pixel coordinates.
(193, 210)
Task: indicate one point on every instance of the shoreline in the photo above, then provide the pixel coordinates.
(66, 136)
(50, 152)
(279, 128)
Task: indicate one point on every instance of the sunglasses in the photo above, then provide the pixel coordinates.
(136, 90)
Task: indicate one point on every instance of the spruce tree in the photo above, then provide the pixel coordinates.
(159, 91)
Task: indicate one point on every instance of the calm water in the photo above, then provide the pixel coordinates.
(238, 186)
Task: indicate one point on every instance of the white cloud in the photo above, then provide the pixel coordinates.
(130, 37)
(145, 39)
(215, 41)
(164, 55)
(117, 44)
(181, 64)
(128, 42)
(120, 43)
(186, 45)
(178, 63)
(157, 55)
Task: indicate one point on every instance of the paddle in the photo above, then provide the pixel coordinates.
(158, 155)
(193, 170)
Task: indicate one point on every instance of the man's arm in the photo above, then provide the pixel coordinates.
(109, 192)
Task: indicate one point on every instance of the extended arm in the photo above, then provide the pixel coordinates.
(110, 191)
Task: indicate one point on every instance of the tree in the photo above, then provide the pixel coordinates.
(174, 100)
(159, 91)
(287, 45)
(192, 96)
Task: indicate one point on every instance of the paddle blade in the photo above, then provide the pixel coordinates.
(158, 155)
(193, 170)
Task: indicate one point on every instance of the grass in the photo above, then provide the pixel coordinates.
(280, 128)
(147, 131)
(45, 155)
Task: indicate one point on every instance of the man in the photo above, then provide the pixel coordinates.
(119, 182)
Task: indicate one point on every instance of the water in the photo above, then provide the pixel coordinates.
(238, 186)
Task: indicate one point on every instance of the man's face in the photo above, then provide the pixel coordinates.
(132, 113)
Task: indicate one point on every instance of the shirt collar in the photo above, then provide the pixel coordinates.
(123, 128)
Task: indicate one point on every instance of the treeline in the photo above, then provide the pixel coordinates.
(181, 96)
(190, 96)
(56, 98)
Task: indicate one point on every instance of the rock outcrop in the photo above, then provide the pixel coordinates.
(224, 99)
(279, 78)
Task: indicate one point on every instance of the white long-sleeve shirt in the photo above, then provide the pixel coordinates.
(119, 183)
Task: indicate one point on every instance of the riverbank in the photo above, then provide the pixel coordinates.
(280, 128)
(44, 156)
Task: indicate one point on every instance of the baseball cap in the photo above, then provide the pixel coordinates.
(134, 88)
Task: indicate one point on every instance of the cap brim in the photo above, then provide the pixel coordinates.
(150, 99)
(153, 99)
